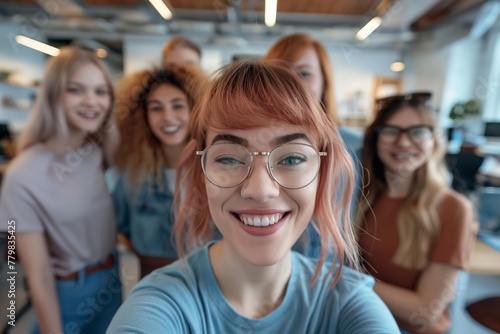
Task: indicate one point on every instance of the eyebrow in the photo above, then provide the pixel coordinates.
(277, 141)
(175, 100)
(291, 137)
(303, 66)
(178, 99)
(103, 85)
(230, 138)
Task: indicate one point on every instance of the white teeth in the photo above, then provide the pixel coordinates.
(261, 220)
(265, 221)
(403, 155)
(89, 114)
(170, 129)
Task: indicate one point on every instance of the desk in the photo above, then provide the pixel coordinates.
(489, 171)
(484, 260)
(491, 148)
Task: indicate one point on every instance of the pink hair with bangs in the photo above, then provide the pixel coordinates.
(251, 94)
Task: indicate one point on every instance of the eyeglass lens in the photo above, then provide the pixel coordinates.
(418, 134)
(291, 165)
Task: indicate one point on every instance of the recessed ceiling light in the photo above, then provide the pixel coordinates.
(397, 66)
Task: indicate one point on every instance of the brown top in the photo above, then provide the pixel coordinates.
(453, 244)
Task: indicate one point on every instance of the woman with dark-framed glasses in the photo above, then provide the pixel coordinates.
(415, 233)
(261, 162)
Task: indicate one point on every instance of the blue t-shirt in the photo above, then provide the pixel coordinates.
(185, 298)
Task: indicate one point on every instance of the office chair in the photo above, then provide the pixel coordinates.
(489, 209)
(464, 167)
(486, 312)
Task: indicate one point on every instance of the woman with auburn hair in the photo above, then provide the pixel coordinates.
(268, 159)
(309, 59)
(54, 197)
(153, 110)
(180, 50)
(415, 233)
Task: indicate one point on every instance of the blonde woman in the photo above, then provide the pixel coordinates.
(415, 233)
(54, 192)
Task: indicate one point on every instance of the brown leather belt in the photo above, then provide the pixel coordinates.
(109, 262)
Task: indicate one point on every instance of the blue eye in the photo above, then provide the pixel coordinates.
(304, 74)
(228, 160)
(292, 160)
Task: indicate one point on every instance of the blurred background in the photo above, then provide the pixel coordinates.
(449, 47)
(377, 48)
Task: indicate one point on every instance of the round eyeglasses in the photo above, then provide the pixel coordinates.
(292, 166)
(418, 134)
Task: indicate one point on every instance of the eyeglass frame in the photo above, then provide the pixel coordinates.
(407, 130)
(269, 168)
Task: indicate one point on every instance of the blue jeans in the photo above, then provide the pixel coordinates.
(89, 302)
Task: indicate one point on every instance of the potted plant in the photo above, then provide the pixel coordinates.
(467, 115)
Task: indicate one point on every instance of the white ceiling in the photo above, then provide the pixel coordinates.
(68, 21)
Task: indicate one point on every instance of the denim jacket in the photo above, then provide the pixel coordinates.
(145, 214)
(309, 242)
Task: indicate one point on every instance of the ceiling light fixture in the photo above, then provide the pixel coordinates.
(101, 53)
(160, 6)
(397, 66)
(37, 45)
(270, 12)
(370, 27)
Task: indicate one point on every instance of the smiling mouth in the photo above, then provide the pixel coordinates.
(88, 114)
(403, 155)
(260, 220)
(170, 129)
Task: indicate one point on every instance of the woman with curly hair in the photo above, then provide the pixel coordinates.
(153, 110)
(415, 233)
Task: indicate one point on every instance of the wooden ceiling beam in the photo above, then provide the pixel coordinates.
(444, 11)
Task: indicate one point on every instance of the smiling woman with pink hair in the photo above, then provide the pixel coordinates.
(261, 164)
